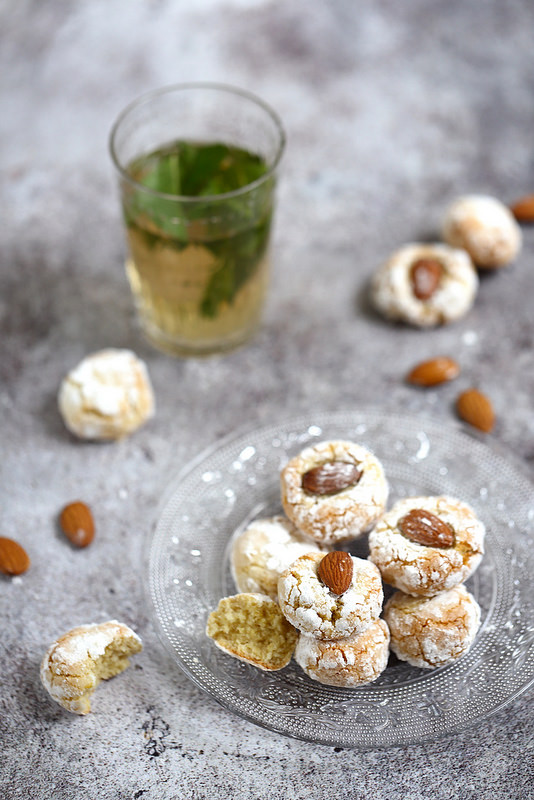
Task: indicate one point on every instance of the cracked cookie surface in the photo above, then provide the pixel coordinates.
(107, 396)
(347, 662)
(393, 295)
(422, 570)
(484, 227)
(430, 632)
(311, 607)
(263, 551)
(339, 516)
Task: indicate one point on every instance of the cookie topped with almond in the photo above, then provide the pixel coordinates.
(425, 545)
(425, 285)
(332, 603)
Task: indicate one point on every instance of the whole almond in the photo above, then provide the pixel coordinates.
(425, 275)
(523, 209)
(331, 477)
(423, 527)
(77, 523)
(476, 409)
(335, 570)
(433, 372)
(14, 559)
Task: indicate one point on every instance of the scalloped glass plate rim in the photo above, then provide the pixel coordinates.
(352, 418)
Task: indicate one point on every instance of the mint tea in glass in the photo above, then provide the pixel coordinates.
(197, 168)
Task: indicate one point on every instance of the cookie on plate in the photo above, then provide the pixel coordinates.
(263, 551)
(425, 285)
(425, 545)
(347, 662)
(75, 663)
(312, 607)
(252, 628)
(434, 631)
(333, 491)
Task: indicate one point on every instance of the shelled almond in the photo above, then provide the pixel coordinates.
(433, 372)
(14, 559)
(476, 408)
(76, 521)
(523, 209)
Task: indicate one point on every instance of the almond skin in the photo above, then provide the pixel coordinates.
(433, 372)
(476, 409)
(76, 521)
(14, 559)
(423, 527)
(331, 477)
(523, 209)
(335, 570)
(425, 275)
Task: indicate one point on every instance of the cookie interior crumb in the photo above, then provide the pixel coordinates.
(75, 664)
(252, 628)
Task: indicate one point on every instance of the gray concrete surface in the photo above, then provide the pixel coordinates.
(391, 109)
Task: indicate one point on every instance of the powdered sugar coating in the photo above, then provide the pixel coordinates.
(108, 395)
(311, 607)
(263, 551)
(339, 517)
(432, 632)
(484, 227)
(347, 662)
(392, 290)
(420, 570)
(68, 670)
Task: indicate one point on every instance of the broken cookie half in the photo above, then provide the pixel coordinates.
(251, 627)
(74, 664)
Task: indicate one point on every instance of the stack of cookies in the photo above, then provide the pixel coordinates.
(299, 596)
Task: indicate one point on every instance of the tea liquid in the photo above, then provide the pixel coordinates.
(198, 267)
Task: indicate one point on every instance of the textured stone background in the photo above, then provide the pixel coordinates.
(391, 110)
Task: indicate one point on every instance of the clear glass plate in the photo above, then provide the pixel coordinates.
(237, 480)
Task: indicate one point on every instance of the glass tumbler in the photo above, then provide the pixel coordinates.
(197, 166)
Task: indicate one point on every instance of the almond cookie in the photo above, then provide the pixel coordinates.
(425, 285)
(425, 545)
(75, 663)
(108, 395)
(347, 662)
(333, 491)
(430, 632)
(314, 609)
(263, 551)
(484, 227)
(252, 628)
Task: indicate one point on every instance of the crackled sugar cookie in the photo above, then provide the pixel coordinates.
(432, 631)
(75, 663)
(425, 285)
(347, 662)
(108, 395)
(332, 600)
(333, 491)
(425, 545)
(263, 551)
(484, 227)
(252, 628)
